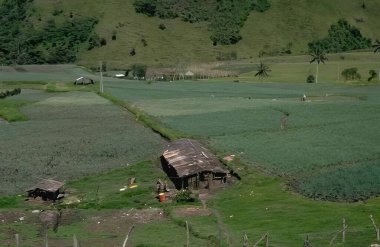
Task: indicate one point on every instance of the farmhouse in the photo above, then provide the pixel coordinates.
(191, 166)
(83, 81)
(48, 189)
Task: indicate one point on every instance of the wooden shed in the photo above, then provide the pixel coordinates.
(83, 81)
(192, 166)
(48, 189)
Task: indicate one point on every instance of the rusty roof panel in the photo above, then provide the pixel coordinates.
(189, 157)
(47, 185)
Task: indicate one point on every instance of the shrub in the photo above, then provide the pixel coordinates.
(184, 196)
(8, 93)
(114, 35)
(351, 74)
(261, 5)
(310, 79)
(93, 41)
(147, 7)
(162, 26)
(139, 70)
(132, 52)
(144, 42)
(103, 42)
(372, 75)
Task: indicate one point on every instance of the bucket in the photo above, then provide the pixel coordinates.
(161, 197)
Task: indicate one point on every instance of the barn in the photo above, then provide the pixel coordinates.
(192, 166)
(83, 81)
(48, 189)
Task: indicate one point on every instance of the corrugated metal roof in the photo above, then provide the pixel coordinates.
(47, 185)
(189, 157)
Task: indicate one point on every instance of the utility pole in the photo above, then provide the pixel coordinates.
(101, 77)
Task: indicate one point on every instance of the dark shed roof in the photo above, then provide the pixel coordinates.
(47, 185)
(189, 157)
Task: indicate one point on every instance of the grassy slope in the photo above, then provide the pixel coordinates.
(287, 21)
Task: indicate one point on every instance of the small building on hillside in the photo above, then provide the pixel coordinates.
(83, 81)
(189, 75)
(47, 189)
(191, 166)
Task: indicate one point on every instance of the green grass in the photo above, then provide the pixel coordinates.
(102, 191)
(260, 204)
(10, 201)
(10, 110)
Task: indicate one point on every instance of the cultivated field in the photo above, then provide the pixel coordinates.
(330, 134)
(328, 149)
(67, 136)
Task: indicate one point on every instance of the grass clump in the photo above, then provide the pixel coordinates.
(10, 110)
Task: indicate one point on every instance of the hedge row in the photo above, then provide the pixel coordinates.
(8, 93)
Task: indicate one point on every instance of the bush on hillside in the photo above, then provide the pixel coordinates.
(261, 5)
(341, 37)
(351, 74)
(162, 26)
(139, 70)
(310, 79)
(147, 7)
(372, 75)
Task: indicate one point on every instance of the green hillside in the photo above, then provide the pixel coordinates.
(286, 25)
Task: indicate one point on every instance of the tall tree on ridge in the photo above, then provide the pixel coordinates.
(319, 56)
(262, 70)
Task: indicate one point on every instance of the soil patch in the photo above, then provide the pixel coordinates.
(192, 211)
(120, 221)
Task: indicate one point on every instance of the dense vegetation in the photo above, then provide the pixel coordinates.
(22, 43)
(351, 182)
(8, 93)
(341, 37)
(226, 17)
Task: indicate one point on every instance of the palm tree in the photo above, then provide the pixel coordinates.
(263, 70)
(318, 55)
(376, 46)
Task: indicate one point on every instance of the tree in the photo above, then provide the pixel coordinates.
(376, 46)
(263, 70)
(319, 56)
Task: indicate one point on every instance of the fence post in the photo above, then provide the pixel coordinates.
(187, 235)
(75, 240)
(375, 227)
(344, 230)
(17, 240)
(245, 240)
